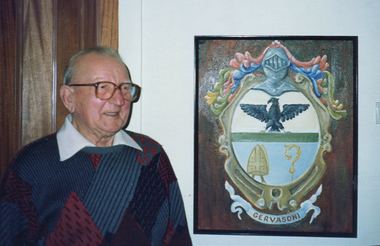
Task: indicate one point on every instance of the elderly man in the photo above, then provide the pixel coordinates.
(93, 183)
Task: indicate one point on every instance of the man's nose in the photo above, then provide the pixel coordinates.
(117, 98)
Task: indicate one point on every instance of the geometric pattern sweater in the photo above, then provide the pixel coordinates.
(100, 196)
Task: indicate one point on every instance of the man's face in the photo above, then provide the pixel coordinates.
(93, 117)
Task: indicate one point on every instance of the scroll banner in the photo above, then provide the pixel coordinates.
(269, 219)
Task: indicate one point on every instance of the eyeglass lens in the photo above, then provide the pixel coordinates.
(105, 90)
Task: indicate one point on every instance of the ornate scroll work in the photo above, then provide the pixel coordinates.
(288, 197)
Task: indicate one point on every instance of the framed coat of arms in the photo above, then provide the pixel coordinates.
(276, 135)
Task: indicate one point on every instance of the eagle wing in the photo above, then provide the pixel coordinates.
(257, 111)
(289, 111)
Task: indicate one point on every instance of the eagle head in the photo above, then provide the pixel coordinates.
(273, 100)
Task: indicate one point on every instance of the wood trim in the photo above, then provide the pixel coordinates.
(8, 117)
(37, 70)
(88, 23)
(110, 23)
(54, 68)
(70, 39)
(18, 75)
(98, 23)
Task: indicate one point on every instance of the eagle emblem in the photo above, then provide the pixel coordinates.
(274, 115)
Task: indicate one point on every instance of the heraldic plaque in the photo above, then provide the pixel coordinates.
(276, 136)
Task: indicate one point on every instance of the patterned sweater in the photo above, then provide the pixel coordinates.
(101, 196)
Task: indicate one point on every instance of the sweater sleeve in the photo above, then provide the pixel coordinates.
(18, 216)
(177, 232)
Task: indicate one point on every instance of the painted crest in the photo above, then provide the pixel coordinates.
(275, 132)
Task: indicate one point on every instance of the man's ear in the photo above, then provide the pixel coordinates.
(67, 96)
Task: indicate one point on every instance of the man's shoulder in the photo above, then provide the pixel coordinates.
(138, 137)
(35, 156)
(143, 140)
(39, 147)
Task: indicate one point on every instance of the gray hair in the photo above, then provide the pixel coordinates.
(100, 50)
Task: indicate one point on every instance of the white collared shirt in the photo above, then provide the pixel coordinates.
(70, 141)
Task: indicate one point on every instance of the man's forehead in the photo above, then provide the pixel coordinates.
(94, 57)
(96, 61)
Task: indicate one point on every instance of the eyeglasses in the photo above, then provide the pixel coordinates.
(105, 90)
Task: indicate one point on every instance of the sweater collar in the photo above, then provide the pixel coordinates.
(70, 141)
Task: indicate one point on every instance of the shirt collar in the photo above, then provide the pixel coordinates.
(70, 141)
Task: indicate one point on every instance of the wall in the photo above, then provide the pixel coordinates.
(156, 40)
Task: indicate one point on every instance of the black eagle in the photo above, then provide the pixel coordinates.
(274, 115)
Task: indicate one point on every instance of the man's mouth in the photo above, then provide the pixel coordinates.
(111, 114)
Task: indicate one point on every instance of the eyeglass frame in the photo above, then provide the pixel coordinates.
(137, 88)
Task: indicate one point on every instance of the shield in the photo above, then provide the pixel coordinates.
(302, 132)
(275, 167)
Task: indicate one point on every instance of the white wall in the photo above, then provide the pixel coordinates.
(157, 43)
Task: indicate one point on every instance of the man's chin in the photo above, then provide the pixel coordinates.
(113, 128)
